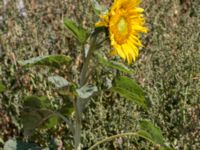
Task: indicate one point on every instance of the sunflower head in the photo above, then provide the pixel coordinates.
(125, 22)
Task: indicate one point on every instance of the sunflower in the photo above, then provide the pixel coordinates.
(125, 22)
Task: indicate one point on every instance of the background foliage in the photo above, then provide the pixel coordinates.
(168, 70)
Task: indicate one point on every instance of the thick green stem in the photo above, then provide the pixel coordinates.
(78, 105)
(83, 75)
(77, 131)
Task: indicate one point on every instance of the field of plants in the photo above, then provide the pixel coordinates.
(42, 72)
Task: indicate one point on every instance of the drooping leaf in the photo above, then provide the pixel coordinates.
(49, 60)
(30, 121)
(58, 81)
(129, 89)
(37, 118)
(146, 135)
(112, 64)
(153, 133)
(36, 114)
(78, 32)
(13, 144)
(2, 87)
(36, 102)
(149, 130)
(86, 91)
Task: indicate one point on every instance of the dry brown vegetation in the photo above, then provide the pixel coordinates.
(167, 68)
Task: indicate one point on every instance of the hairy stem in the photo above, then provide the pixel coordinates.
(78, 104)
(117, 136)
(77, 124)
(83, 75)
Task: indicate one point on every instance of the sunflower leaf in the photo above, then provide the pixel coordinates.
(36, 114)
(49, 60)
(78, 32)
(36, 102)
(113, 64)
(129, 89)
(151, 132)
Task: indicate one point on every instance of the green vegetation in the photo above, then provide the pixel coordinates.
(167, 70)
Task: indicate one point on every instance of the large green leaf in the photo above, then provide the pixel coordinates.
(129, 89)
(2, 87)
(49, 60)
(113, 64)
(78, 32)
(36, 102)
(13, 144)
(153, 133)
(148, 136)
(37, 118)
(150, 131)
(36, 113)
(30, 121)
